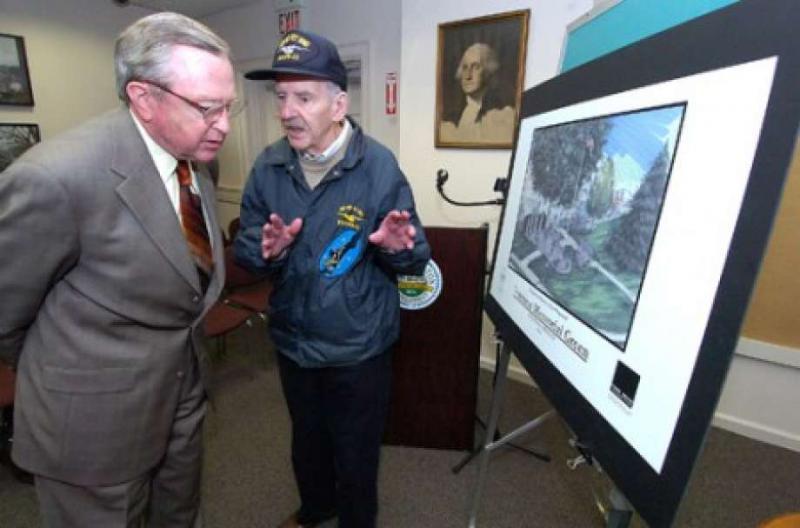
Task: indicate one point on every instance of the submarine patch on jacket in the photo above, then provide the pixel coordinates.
(342, 253)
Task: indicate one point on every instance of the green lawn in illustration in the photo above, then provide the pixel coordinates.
(587, 293)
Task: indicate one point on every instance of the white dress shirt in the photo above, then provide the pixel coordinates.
(165, 165)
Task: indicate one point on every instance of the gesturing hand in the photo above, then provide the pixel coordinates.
(276, 236)
(395, 232)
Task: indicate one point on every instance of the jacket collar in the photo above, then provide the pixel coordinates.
(281, 153)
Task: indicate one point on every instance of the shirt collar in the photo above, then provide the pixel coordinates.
(164, 161)
(332, 149)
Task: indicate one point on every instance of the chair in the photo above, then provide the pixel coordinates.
(243, 289)
(225, 240)
(233, 228)
(229, 235)
(244, 295)
(221, 320)
(7, 386)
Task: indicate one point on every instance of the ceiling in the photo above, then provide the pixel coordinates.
(192, 8)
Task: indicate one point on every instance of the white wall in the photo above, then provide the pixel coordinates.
(472, 172)
(376, 23)
(70, 48)
(386, 27)
(252, 31)
(400, 37)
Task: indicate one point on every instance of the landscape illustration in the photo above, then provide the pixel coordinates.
(588, 212)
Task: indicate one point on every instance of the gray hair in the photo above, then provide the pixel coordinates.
(488, 58)
(143, 50)
(334, 89)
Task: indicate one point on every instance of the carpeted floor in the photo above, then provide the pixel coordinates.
(248, 481)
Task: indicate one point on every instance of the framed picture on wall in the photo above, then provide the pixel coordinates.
(16, 138)
(15, 82)
(479, 76)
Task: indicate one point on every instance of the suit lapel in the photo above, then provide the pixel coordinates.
(208, 197)
(142, 190)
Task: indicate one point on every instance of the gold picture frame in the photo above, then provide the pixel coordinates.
(480, 70)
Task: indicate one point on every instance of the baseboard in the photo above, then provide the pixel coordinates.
(516, 372)
(226, 194)
(757, 431)
(759, 399)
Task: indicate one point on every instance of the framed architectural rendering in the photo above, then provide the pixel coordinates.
(14, 140)
(642, 191)
(15, 82)
(480, 72)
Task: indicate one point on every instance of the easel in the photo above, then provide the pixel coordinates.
(620, 512)
(490, 443)
(497, 434)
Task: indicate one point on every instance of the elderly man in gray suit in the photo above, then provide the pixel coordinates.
(111, 258)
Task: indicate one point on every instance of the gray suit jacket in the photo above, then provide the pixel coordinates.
(100, 304)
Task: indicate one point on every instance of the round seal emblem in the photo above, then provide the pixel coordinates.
(420, 291)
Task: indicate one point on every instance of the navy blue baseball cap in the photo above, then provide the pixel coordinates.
(305, 53)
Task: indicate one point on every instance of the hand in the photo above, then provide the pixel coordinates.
(395, 232)
(276, 236)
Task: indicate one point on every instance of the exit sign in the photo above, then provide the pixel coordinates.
(288, 21)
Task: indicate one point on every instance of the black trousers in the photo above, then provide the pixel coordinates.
(338, 419)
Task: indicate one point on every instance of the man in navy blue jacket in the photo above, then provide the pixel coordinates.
(329, 214)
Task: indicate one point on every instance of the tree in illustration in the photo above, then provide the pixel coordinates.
(601, 195)
(629, 244)
(565, 156)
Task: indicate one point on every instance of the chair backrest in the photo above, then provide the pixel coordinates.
(235, 275)
(222, 319)
(233, 228)
(7, 384)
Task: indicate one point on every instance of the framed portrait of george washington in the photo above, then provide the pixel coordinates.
(480, 72)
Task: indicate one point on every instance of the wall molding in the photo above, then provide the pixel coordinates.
(761, 392)
(759, 399)
(229, 195)
(780, 355)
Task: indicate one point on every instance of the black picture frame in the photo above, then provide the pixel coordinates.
(506, 36)
(15, 81)
(748, 32)
(16, 138)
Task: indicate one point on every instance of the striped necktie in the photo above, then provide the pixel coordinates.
(193, 223)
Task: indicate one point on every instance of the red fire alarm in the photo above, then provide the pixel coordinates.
(391, 93)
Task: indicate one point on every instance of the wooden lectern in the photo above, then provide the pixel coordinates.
(436, 360)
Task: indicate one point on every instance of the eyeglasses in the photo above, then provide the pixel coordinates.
(210, 114)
